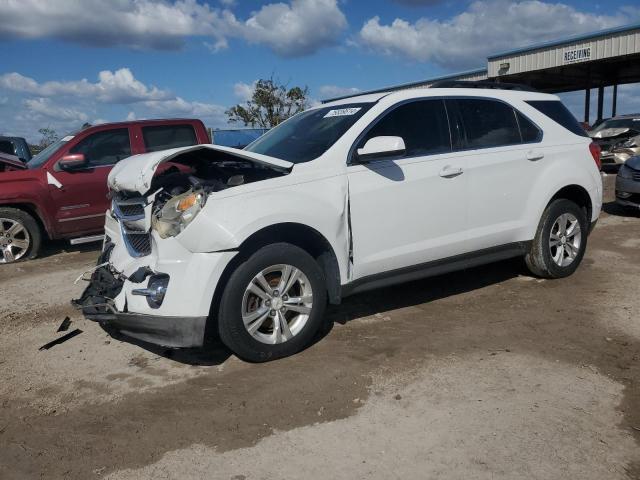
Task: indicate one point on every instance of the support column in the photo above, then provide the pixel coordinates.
(614, 101)
(587, 104)
(600, 101)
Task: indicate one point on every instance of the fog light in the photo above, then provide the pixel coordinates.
(155, 291)
(623, 194)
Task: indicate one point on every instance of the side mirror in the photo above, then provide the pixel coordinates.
(380, 147)
(73, 162)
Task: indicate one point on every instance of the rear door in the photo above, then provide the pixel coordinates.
(81, 197)
(411, 209)
(504, 159)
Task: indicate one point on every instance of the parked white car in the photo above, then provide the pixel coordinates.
(356, 194)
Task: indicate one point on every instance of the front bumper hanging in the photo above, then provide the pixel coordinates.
(96, 303)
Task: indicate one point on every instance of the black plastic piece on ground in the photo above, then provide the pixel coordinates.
(64, 326)
(60, 340)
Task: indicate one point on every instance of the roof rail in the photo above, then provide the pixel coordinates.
(482, 84)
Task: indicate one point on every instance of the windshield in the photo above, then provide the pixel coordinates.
(309, 134)
(633, 123)
(41, 158)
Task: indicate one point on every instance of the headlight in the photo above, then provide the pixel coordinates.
(625, 172)
(177, 213)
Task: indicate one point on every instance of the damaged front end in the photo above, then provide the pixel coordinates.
(151, 283)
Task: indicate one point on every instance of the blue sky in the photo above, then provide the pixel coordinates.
(71, 61)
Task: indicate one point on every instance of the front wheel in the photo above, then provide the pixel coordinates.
(560, 241)
(273, 304)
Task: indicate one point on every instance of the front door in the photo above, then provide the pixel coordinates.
(80, 197)
(411, 209)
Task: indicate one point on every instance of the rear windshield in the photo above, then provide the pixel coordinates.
(556, 111)
(309, 134)
(164, 137)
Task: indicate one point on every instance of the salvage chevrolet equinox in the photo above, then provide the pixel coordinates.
(250, 245)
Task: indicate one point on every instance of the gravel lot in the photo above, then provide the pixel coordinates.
(486, 373)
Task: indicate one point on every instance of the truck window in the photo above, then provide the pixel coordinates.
(6, 146)
(105, 148)
(163, 137)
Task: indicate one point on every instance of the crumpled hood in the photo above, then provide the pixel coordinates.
(134, 174)
(609, 132)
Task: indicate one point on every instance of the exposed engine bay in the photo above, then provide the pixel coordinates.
(180, 187)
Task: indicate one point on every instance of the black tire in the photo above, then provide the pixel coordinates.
(539, 259)
(230, 324)
(30, 225)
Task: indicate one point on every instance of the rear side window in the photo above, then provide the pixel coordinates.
(163, 137)
(529, 132)
(556, 111)
(422, 124)
(105, 148)
(488, 123)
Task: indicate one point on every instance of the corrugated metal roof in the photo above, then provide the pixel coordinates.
(562, 41)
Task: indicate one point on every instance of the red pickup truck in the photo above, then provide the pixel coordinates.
(62, 191)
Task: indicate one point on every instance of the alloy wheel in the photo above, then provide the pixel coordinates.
(565, 239)
(14, 240)
(276, 304)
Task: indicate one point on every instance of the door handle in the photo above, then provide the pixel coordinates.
(533, 155)
(450, 172)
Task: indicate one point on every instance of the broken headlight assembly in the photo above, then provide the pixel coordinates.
(179, 211)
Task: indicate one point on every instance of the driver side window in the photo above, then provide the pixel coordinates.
(422, 124)
(104, 148)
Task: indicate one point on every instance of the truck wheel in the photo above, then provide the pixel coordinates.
(560, 241)
(273, 304)
(20, 235)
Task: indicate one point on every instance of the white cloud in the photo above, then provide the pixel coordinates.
(112, 87)
(44, 107)
(244, 91)
(66, 105)
(331, 91)
(487, 26)
(295, 29)
(290, 29)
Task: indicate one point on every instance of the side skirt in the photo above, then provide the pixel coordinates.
(436, 267)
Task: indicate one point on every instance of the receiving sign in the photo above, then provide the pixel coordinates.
(576, 55)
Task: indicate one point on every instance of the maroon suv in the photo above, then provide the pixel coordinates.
(62, 191)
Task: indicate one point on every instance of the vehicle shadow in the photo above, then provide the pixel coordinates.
(361, 305)
(212, 354)
(420, 291)
(612, 208)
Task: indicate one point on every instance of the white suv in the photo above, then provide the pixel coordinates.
(355, 194)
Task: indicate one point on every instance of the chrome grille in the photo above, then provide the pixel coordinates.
(636, 176)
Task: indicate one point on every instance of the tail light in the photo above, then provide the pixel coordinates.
(595, 150)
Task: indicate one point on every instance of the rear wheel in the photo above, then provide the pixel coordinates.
(20, 235)
(560, 240)
(273, 303)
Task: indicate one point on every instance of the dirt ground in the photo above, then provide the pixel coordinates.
(481, 374)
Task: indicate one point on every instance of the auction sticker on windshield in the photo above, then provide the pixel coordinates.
(340, 112)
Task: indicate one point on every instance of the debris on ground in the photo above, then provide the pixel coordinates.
(60, 340)
(64, 326)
